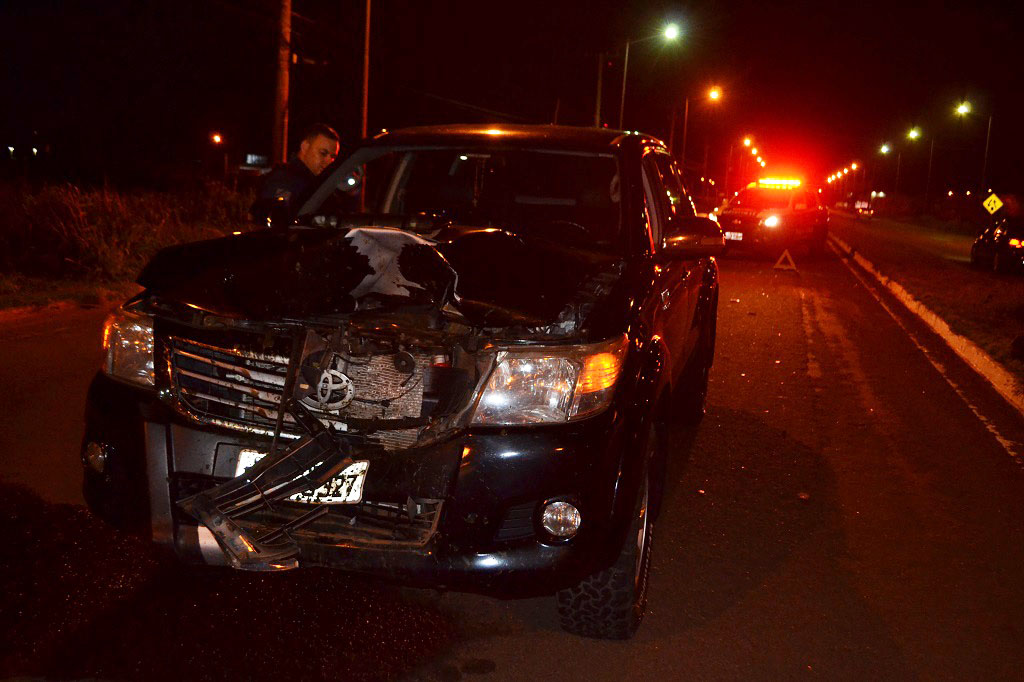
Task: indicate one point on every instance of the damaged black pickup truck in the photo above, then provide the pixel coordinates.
(452, 369)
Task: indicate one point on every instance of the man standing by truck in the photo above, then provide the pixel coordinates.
(287, 185)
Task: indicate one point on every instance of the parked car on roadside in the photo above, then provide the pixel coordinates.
(1000, 246)
(463, 385)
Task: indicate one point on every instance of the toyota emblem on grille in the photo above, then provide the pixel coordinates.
(333, 391)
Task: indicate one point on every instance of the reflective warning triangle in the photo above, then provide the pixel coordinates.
(785, 262)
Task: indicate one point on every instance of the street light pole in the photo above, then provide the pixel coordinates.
(984, 164)
(625, 73)
(366, 72)
(671, 32)
(672, 131)
(686, 122)
(600, 75)
(899, 159)
(928, 181)
(728, 167)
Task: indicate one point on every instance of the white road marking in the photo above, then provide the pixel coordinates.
(1012, 448)
(1002, 381)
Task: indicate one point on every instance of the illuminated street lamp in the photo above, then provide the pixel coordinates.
(759, 159)
(670, 33)
(885, 149)
(763, 164)
(853, 166)
(714, 94)
(754, 151)
(216, 138)
(915, 134)
(746, 141)
(963, 109)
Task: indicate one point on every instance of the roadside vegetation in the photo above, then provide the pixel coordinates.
(65, 242)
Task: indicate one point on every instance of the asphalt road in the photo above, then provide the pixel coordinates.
(852, 507)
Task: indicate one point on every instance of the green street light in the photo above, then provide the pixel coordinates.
(963, 108)
(913, 133)
(884, 149)
(671, 31)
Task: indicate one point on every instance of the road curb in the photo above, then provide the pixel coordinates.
(981, 362)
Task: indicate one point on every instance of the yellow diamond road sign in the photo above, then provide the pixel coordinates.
(992, 204)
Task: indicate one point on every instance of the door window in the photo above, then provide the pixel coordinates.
(652, 190)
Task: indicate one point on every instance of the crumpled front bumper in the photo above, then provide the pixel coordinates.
(490, 483)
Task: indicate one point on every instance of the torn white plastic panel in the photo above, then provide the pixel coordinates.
(383, 246)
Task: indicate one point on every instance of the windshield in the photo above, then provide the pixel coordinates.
(760, 199)
(563, 196)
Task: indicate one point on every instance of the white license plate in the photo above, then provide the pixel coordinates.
(734, 236)
(346, 487)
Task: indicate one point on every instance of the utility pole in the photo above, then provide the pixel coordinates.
(366, 72)
(928, 182)
(600, 76)
(899, 160)
(279, 153)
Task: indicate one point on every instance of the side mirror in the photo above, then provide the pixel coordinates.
(694, 238)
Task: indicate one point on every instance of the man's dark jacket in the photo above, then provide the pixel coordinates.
(289, 184)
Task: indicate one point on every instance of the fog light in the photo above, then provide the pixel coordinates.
(561, 519)
(96, 456)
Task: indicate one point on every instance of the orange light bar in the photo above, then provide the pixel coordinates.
(778, 182)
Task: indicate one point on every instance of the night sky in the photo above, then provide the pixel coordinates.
(132, 90)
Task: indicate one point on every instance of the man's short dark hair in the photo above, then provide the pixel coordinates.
(320, 129)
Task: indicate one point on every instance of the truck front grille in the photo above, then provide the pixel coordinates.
(241, 389)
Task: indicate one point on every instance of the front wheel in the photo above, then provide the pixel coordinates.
(975, 259)
(611, 603)
(999, 262)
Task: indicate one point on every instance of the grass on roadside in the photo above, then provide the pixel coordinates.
(61, 242)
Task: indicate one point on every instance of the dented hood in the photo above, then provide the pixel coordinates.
(492, 277)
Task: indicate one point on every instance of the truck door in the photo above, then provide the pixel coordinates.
(685, 275)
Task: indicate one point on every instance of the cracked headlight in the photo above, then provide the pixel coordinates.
(128, 345)
(550, 384)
